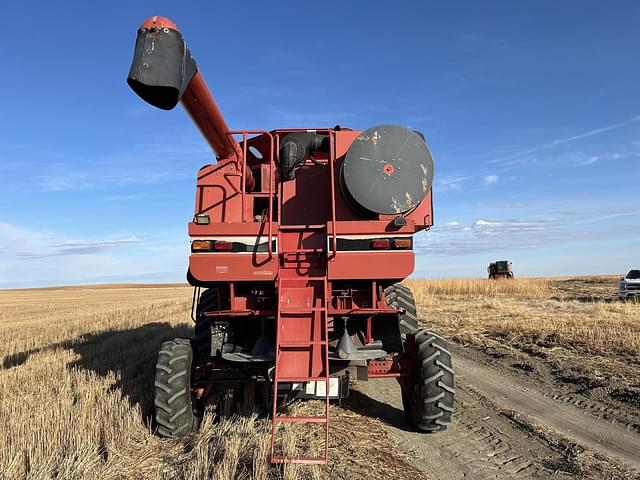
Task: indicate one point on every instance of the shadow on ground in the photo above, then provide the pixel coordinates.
(363, 404)
(129, 354)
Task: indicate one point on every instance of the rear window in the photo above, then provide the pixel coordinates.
(502, 266)
(633, 274)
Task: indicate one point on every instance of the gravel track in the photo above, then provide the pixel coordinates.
(506, 426)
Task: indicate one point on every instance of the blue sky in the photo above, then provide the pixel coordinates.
(531, 110)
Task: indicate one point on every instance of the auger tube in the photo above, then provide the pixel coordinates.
(163, 72)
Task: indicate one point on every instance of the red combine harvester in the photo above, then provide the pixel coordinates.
(299, 240)
(500, 269)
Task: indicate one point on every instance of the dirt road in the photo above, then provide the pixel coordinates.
(509, 425)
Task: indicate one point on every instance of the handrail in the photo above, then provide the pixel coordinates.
(333, 193)
(244, 176)
(243, 192)
(331, 161)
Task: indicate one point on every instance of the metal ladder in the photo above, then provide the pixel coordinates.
(302, 347)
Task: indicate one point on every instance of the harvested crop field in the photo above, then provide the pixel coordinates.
(77, 368)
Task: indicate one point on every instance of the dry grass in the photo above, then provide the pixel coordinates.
(77, 366)
(426, 291)
(555, 312)
(76, 396)
(576, 326)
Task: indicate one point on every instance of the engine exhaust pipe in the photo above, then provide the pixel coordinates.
(163, 73)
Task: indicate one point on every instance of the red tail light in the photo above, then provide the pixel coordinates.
(380, 244)
(223, 246)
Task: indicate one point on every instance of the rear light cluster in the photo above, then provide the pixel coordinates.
(393, 244)
(211, 246)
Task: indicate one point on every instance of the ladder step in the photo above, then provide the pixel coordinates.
(304, 250)
(301, 310)
(304, 344)
(300, 419)
(301, 379)
(303, 227)
(302, 460)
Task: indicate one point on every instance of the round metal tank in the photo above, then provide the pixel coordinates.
(387, 170)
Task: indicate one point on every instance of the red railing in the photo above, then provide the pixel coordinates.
(330, 161)
(274, 156)
(333, 194)
(243, 169)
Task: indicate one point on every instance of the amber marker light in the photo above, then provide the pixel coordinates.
(201, 245)
(402, 243)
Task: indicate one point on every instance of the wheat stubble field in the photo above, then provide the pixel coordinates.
(77, 368)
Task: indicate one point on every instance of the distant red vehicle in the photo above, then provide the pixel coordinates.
(500, 269)
(299, 241)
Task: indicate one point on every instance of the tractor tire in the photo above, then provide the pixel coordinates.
(208, 301)
(431, 408)
(174, 413)
(400, 297)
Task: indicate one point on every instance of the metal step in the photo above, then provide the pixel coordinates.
(301, 344)
(303, 227)
(303, 460)
(301, 379)
(300, 419)
(301, 310)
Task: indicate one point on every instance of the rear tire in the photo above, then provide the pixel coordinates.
(429, 407)
(400, 297)
(174, 414)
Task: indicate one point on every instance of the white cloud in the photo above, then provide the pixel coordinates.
(530, 155)
(495, 235)
(490, 180)
(22, 242)
(34, 258)
(450, 183)
(456, 238)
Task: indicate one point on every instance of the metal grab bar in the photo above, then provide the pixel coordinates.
(333, 193)
(243, 192)
(331, 160)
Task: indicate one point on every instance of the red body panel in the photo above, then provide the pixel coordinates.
(306, 200)
(378, 265)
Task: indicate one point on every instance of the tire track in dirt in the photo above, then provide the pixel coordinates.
(599, 411)
(484, 443)
(564, 418)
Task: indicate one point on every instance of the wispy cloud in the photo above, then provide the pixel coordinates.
(456, 238)
(525, 155)
(495, 234)
(450, 183)
(26, 243)
(32, 257)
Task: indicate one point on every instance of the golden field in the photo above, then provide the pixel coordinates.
(576, 329)
(582, 313)
(77, 368)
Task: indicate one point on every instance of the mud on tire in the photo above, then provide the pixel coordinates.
(431, 407)
(400, 297)
(174, 412)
